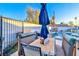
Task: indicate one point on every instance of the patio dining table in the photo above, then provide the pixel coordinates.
(46, 49)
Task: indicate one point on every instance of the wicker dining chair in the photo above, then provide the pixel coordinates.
(69, 47)
(29, 50)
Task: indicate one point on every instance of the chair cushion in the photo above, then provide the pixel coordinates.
(28, 37)
(72, 41)
(58, 37)
(28, 40)
(55, 34)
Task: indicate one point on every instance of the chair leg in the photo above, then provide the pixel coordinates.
(63, 43)
(74, 50)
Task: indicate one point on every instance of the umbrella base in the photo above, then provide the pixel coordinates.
(42, 41)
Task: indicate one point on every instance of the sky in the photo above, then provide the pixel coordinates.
(64, 12)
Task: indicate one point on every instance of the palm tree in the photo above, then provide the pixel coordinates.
(76, 23)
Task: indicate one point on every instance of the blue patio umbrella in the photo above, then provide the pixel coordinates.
(44, 21)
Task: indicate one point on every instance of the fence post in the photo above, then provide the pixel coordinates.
(22, 26)
(1, 36)
(18, 38)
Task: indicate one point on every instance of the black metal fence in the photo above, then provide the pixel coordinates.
(0, 36)
(8, 34)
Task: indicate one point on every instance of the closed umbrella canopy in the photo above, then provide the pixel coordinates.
(44, 20)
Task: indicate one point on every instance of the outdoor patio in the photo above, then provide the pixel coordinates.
(39, 39)
(59, 52)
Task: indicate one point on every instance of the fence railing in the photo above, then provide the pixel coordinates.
(8, 31)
